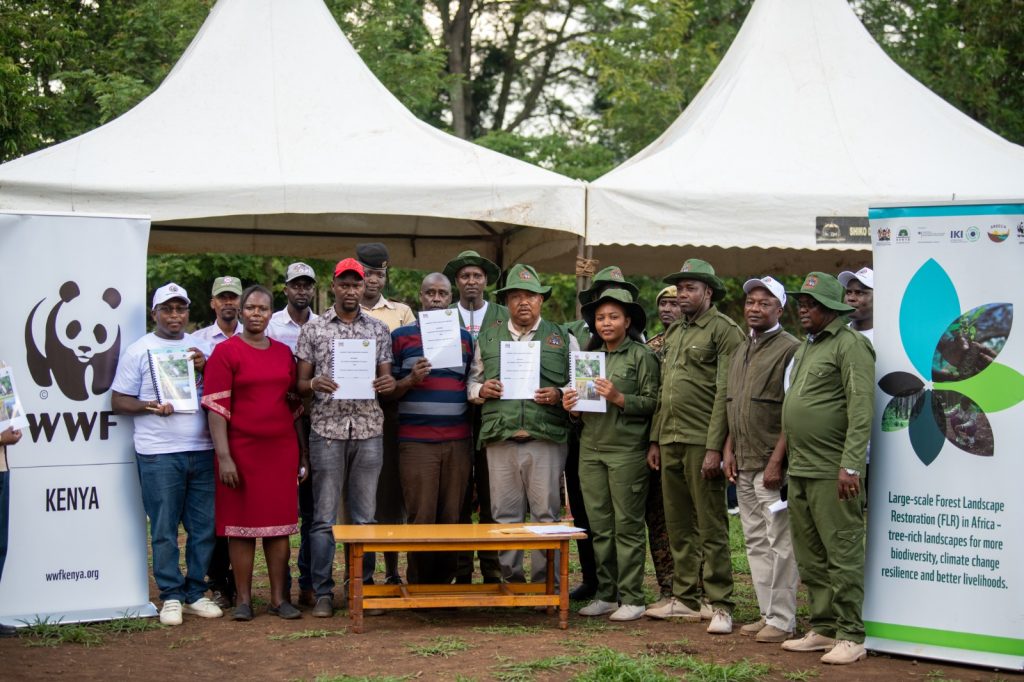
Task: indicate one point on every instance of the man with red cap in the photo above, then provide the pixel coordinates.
(345, 446)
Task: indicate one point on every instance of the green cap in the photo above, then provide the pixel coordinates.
(700, 270)
(610, 277)
(523, 278)
(227, 285)
(465, 258)
(637, 316)
(825, 289)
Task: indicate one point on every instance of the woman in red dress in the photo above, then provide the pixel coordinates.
(253, 411)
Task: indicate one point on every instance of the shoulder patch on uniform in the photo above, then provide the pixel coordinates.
(554, 340)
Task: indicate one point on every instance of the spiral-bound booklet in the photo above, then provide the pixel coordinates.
(174, 378)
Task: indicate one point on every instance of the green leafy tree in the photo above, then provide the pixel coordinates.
(971, 53)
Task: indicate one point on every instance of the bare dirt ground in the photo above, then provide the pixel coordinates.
(470, 644)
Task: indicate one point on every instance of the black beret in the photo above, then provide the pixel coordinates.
(373, 255)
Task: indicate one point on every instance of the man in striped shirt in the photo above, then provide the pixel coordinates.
(435, 451)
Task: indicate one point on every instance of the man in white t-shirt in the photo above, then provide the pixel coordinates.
(175, 460)
(285, 325)
(860, 293)
(224, 298)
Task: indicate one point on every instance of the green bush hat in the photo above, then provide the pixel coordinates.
(700, 270)
(522, 278)
(609, 275)
(637, 316)
(465, 258)
(825, 289)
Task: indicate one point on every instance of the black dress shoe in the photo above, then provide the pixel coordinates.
(242, 612)
(582, 592)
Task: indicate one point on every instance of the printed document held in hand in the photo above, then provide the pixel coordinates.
(354, 367)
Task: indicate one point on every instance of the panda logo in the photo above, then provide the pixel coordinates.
(82, 343)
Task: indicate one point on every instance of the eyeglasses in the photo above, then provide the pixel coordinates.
(172, 309)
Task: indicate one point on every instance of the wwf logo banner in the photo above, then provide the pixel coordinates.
(74, 291)
(74, 298)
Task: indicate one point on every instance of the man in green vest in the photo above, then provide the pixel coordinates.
(525, 438)
(608, 278)
(470, 273)
(826, 421)
(687, 437)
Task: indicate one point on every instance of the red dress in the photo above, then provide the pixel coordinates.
(249, 387)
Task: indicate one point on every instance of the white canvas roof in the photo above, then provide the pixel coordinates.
(271, 125)
(805, 116)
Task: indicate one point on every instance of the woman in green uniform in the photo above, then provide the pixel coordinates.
(613, 447)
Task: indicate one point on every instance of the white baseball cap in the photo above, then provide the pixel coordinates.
(767, 282)
(865, 276)
(169, 291)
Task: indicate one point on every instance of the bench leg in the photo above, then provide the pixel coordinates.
(563, 586)
(355, 569)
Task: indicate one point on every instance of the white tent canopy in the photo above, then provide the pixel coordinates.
(805, 117)
(271, 136)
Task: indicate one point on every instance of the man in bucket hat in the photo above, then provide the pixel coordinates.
(471, 273)
(525, 439)
(687, 437)
(826, 421)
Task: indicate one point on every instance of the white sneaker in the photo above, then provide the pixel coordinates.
(598, 608)
(170, 613)
(202, 607)
(674, 609)
(844, 653)
(628, 612)
(721, 623)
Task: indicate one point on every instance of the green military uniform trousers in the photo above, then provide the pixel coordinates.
(698, 525)
(828, 541)
(614, 488)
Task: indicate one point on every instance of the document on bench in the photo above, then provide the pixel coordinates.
(520, 369)
(540, 530)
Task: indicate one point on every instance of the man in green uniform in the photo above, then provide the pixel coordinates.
(471, 273)
(525, 438)
(687, 437)
(826, 421)
(668, 312)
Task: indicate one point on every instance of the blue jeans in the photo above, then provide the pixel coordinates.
(306, 521)
(342, 469)
(5, 502)
(178, 488)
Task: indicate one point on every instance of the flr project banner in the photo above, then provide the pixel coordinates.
(944, 575)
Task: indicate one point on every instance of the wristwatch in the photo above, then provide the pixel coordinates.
(853, 472)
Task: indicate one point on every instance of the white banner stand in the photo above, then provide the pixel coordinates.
(74, 291)
(946, 511)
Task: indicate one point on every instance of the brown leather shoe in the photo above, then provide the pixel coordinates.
(751, 629)
(770, 634)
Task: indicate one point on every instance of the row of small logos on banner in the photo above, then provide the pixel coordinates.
(996, 233)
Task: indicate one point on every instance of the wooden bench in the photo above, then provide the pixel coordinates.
(454, 538)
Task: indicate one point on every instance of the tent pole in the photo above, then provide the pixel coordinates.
(581, 278)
